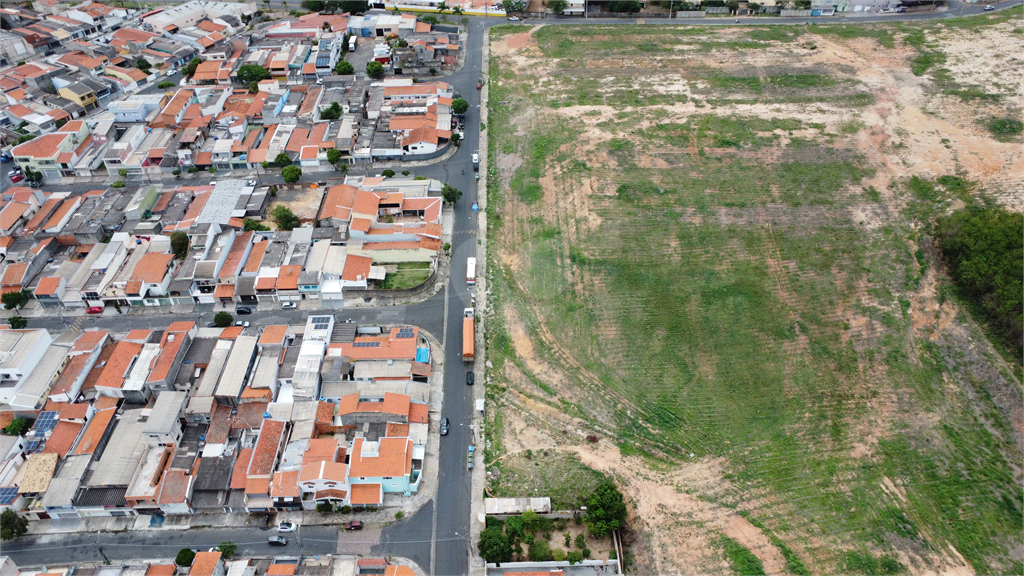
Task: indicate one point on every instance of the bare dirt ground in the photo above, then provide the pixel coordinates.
(910, 129)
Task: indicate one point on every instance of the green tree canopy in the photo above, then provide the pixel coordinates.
(314, 5)
(606, 509)
(12, 300)
(494, 546)
(254, 87)
(985, 253)
(185, 557)
(557, 6)
(227, 549)
(374, 69)
(190, 68)
(539, 551)
(179, 244)
(333, 155)
(250, 225)
(285, 218)
(343, 68)
(12, 525)
(460, 105)
(143, 64)
(451, 194)
(252, 73)
(222, 319)
(17, 427)
(291, 174)
(282, 160)
(165, 84)
(332, 112)
(388, 173)
(17, 322)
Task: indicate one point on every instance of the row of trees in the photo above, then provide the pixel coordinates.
(332, 6)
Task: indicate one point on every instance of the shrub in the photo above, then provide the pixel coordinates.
(17, 427)
(227, 549)
(547, 536)
(324, 507)
(539, 551)
(179, 244)
(405, 172)
(285, 218)
(581, 541)
(558, 555)
(118, 184)
(388, 173)
(165, 84)
(586, 552)
(1005, 126)
(399, 515)
(574, 557)
(17, 322)
(192, 169)
(433, 71)
(568, 539)
(346, 509)
(176, 172)
(223, 319)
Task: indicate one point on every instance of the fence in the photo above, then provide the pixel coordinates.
(403, 293)
(796, 13)
(690, 14)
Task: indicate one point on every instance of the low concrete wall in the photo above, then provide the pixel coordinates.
(405, 293)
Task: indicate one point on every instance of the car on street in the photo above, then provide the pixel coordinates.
(243, 310)
(277, 541)
(211, 324)
(444, 427)
(354, 525)
(287, 527)
(94, 310)
(479, 83)
(289, 306)
(470, 377)
(5, 158)
(241, 324)
(513, 18)
(476, 207)
(17, 177)
(469, 457)
(989, 8)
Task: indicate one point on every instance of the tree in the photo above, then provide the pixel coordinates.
(374, 69)
(333, 112)
(223, 319)
(581, 541)
(451, 194)
(227, 549)
(176, 172)
(456, 138)
(539, 551)
(624, 6)
(122, 172)
(17, 322)
(531, 520)
(265, 165)
(285, 218)
(17, 427)
(557, 6)
(314, 5)
(190, 68)
(12, 525)
(252, 73)
(442, 7)
(185, 557)
(12, 300)
(291, 174)
(250, 225)
(282, 160)
(192, 169)
(457, 11)
(143, 64)
(254, 87)
(212, 170)
(324, 507)
(558, 555)
(606, 509)
(574, 557)
(433, 71)
(388, 173)
(333, 155)
(429, 19)
(494, 546)
(460, 106)
(118, 184)
(165, 84)
(179, 244)
(343, 68)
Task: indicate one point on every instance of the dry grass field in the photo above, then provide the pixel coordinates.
(712, 280)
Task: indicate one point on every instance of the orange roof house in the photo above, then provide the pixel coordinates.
(206, 564)
(264, 456)
(95, 431)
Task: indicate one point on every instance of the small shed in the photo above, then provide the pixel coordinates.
(480, 406)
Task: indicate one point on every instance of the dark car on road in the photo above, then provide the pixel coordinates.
(444, 427)
(470, 378)
(354, 525)
(277, 541)
(243, 310)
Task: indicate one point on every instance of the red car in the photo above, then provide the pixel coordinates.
(94, 310)
(354, 525)
(17, 177)
(479, 84)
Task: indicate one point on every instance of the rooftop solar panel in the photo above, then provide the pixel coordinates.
(8, 495)
(406, 332)
(366, 345)
(46, 421)
(33, 446)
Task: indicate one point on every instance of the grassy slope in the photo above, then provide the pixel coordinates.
(732, 338)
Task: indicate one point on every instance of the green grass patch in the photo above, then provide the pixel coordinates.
(405, 279)
(926, 60)
(741, 560)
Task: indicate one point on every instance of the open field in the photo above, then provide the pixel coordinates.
(712, 279)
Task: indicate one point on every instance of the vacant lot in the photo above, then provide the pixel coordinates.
(713, 281)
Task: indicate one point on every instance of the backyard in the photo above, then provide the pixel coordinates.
(713, 280)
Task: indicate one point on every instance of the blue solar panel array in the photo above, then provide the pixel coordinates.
(323, 61)
(33, 446)
(47, 421)
(8, 496)
(406, 332)
(366, 345)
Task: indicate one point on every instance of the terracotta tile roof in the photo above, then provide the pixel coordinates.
(325, 412)
(62, 211)
(281, 570)
(320, 450)
(266, 448)
(274, 335)
(363, 494)
(360, 224)
(220, 425)
(48, 286)
(76, 411)
(238, 476)
(356, 268)
(11, 213)
(62, 438)
(231, 332)
(89, 340)
(371, 562)
(133, 35)
(391, 347)
(396, 430)
(138, 335)
(204, 564)
(288, 277)
(285, 484)
(104, 402)
(418, 413)
(366, 203)
(394, 458)
(42, 147)
(234, 258)
(224, 291)
(94, 433)
(97, 369)
(249, 415)
(162, 570)
(338, 202)
(152, 267)
(309, 153)
(257, 486)
(44, 212)
(399, 570)
(297, 140)
(169, 348)
(249, 394)
(210, 26)
(117, 367)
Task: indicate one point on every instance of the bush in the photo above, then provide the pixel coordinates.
(12, 525)
(325, 507)
(227, 549)
(399, 515)
(192, 169)
(346, 509)
(17, 322)
(581, 541)
(118, 184)
(185, 557)
(492, 522)
(558, 555)
(574, 557)
(285, 218)
(539, 551)
(405, 172)
(586, 552)
(176, 172)
(568, 539)
(17, 427)
(1005, 126)
(250, 225)
(433, 71)
(223, 319)
(165, 84)
(514, 528)
(388, 173)
(179, 244)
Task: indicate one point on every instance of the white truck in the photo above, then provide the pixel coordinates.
(471, 271)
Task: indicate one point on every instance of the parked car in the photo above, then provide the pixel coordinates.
(243, 310)
(287, 527)
(470, 377)
(989, 8)
(444, 427)
(277, 541)
(469, 457)
(289, 306)
(94, 310)
(354, 525)
(513, 18)
(5, 158)
(241, 324)
(479, 83)
(17, 177)
(210, 325)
